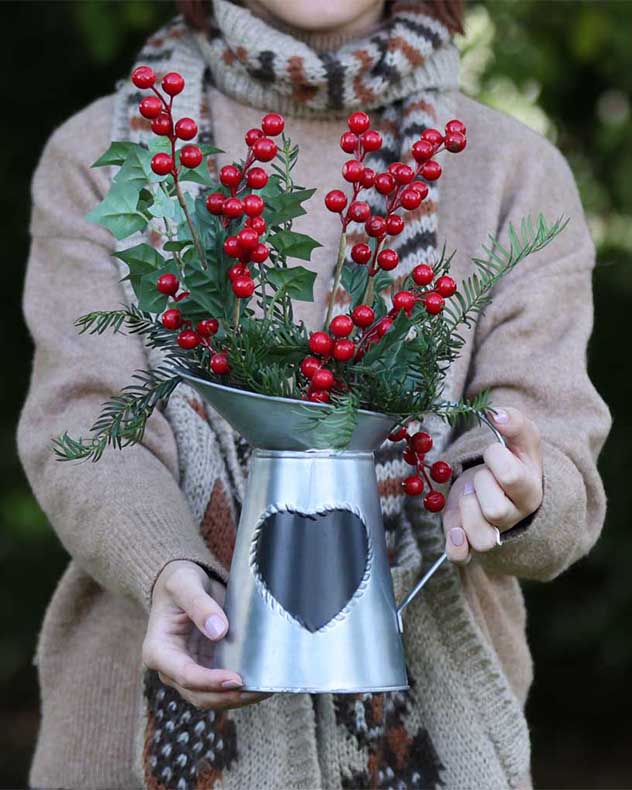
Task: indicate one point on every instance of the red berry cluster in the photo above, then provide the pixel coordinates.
(159, 110)
(417, 445)
(246, 246)
(403, 187)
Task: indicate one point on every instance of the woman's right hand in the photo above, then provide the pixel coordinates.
(184, 621)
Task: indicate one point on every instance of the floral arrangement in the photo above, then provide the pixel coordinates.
(217, 297)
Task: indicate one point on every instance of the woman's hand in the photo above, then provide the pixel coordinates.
(493, 497)
(184, 621)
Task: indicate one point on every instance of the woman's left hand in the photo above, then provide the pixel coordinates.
(494, 496)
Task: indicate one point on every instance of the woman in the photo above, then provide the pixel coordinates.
(150, 553)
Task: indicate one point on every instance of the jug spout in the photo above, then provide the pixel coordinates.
(288, 424)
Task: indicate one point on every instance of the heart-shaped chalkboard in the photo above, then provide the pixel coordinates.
(312, 563)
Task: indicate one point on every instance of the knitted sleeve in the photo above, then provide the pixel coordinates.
(530, 351)
(123, 518)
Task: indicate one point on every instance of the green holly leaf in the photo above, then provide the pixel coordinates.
(386, 351)
(294, 245)
(118, 211)
(297, 282)
(165, 207)
(136, 170)
(141, 258)
(354, 280)
(286, 206)
(116, 154)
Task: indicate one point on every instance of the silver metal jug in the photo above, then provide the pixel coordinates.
(310, 598)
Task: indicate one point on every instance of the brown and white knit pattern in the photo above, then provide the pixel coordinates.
(417, 739)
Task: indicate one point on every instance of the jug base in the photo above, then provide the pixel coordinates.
(321, 690)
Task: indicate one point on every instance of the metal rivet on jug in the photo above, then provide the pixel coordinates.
(309, 601)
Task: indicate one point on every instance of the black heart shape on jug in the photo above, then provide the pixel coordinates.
(312, 563)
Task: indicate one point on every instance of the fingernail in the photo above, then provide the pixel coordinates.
(232, 684)
(215, 626)
(457, 536)
(501, 416)
(468, 487)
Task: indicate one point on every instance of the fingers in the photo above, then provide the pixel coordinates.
(520, 433)
(522, 483)
(497, 509)
(481, 535)
(456, 544)
(224, 701)
(187, 590)
(183, 671)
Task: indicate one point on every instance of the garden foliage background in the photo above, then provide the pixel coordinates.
(564, 68)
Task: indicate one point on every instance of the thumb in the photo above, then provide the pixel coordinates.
(188, 590)
(521, 434)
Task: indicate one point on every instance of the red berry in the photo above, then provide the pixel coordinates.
(404, 300)
(172, 83)
(253, 205)
(363, 316)
(423, 274)
(186, 129)
(441, 472)
(230, 175)
(323, 379)
(393, 167)
(238, 270)
(219, 364)
(341, 326)
(168, 284)
(421, 187)
(410, 198)
(162, 124)
(455, 126)
(384, 183)
(257, 178)
(413, 485)
(410, 456)
(172, 319)
(375, 225)
(421, 442)
(455, 142)
(309, 366)
(233, 207)
(434, 501)
(434, 303)
(319, 396)
(445, 286)
(368, 178)
(258, 224)
(188, 339)
(343, 350)
(383, 327)
(336, 200)
(431, 170)
(372, 140)
(272, 124)
(320, 343)
(422, 150)
(162, 164)
(215, 202)
(404, 174)
(349, 142)
(232, 247)
(394, 224)
(264, 149)
(259, 254)
(252, 135)
(150, 107)
(398, 434)
(247, 239)
(359, 211)
(207, 327)
(387, 260)
(361, 253)
(143, 77)
(433, 136)
(352, 170)
(358, 122)
(243, 287)
(190, 156)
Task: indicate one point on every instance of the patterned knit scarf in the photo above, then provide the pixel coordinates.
(462, 727)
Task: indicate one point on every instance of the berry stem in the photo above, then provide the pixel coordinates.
(196, 241)
(340, 262)
(236, 312)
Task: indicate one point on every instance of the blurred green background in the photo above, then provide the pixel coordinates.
(564, 68)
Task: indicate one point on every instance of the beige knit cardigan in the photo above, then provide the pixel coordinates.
(123, 519)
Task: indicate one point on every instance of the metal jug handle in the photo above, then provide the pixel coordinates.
(439, 562)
